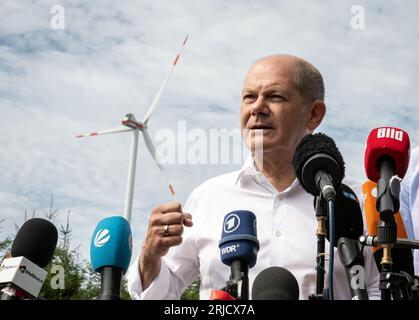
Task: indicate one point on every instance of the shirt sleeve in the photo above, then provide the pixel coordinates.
(179, 268)
(405, 206)
(156, 291)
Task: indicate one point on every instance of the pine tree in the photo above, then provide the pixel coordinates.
(91, 287)
(192, 292)
(4, 244)
(65, 260)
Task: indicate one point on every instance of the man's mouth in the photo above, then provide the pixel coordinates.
(260, 126)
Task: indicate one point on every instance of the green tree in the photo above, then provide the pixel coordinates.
(72, 273)
(192, 292)
(66, 274)
(4, 244)
(91, 286)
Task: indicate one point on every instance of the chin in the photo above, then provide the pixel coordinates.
(261, 146)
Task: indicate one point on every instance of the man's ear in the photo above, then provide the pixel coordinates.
(316, 114)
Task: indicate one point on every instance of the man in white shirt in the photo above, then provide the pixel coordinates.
(409, 202)
(282, 100)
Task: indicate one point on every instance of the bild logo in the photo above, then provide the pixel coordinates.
(101, 238)
(231, 223)
(391, 133)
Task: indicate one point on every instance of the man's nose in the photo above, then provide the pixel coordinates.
(259, 107)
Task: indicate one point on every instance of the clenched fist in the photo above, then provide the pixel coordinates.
(165, 228)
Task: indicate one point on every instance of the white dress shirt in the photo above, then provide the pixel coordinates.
(409, 202)
(286, 229)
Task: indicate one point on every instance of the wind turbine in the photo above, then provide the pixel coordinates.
(129, 123)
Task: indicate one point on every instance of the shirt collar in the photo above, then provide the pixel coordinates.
(250, 171)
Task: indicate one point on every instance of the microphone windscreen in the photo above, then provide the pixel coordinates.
(348, 215)
(36, 240)
(386, 142)
(239, 238)
(275, 283)
(317, 152)
(111, 244)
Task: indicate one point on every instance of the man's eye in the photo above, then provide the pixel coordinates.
(248, 98)
(277, 98)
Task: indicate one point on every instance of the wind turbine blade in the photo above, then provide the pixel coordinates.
(106, 131)
(152, 151)
(163, 85)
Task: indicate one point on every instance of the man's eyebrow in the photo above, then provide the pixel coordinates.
(275, 87)
(279, 90)
(248, 90)
(266, 87)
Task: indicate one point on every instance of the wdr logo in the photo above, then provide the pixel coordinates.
(101, 238)
(231, 223)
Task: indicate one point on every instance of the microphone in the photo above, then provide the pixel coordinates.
(320, 168)
(275, 283)
(318, 165)
(110, 254)
(402, 257)
(238, 249)
(387, 153)
(350, 253)
(22, 276)
(349, 227)
(221, 295)
(386, 160)
(348, 215)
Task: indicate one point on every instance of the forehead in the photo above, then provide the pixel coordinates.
(267, 74)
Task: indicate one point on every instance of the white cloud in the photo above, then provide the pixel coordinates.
(112, 57)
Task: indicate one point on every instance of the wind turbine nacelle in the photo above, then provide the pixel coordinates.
(131, 122)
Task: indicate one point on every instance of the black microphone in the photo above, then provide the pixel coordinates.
(275, 283)
(22, 276)
(318, 165)
(320, 168)
(349, 227)
(348, 215)
(350, 253)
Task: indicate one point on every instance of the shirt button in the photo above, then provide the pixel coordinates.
(278, 233)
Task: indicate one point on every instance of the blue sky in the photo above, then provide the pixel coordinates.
(111, 58)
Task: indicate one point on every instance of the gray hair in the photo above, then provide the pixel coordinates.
(309, 81)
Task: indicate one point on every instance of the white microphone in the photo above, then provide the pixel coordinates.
(22, 276)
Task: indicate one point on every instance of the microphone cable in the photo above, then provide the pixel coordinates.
(331, 208)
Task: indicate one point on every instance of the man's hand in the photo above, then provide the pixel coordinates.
(165, 229)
